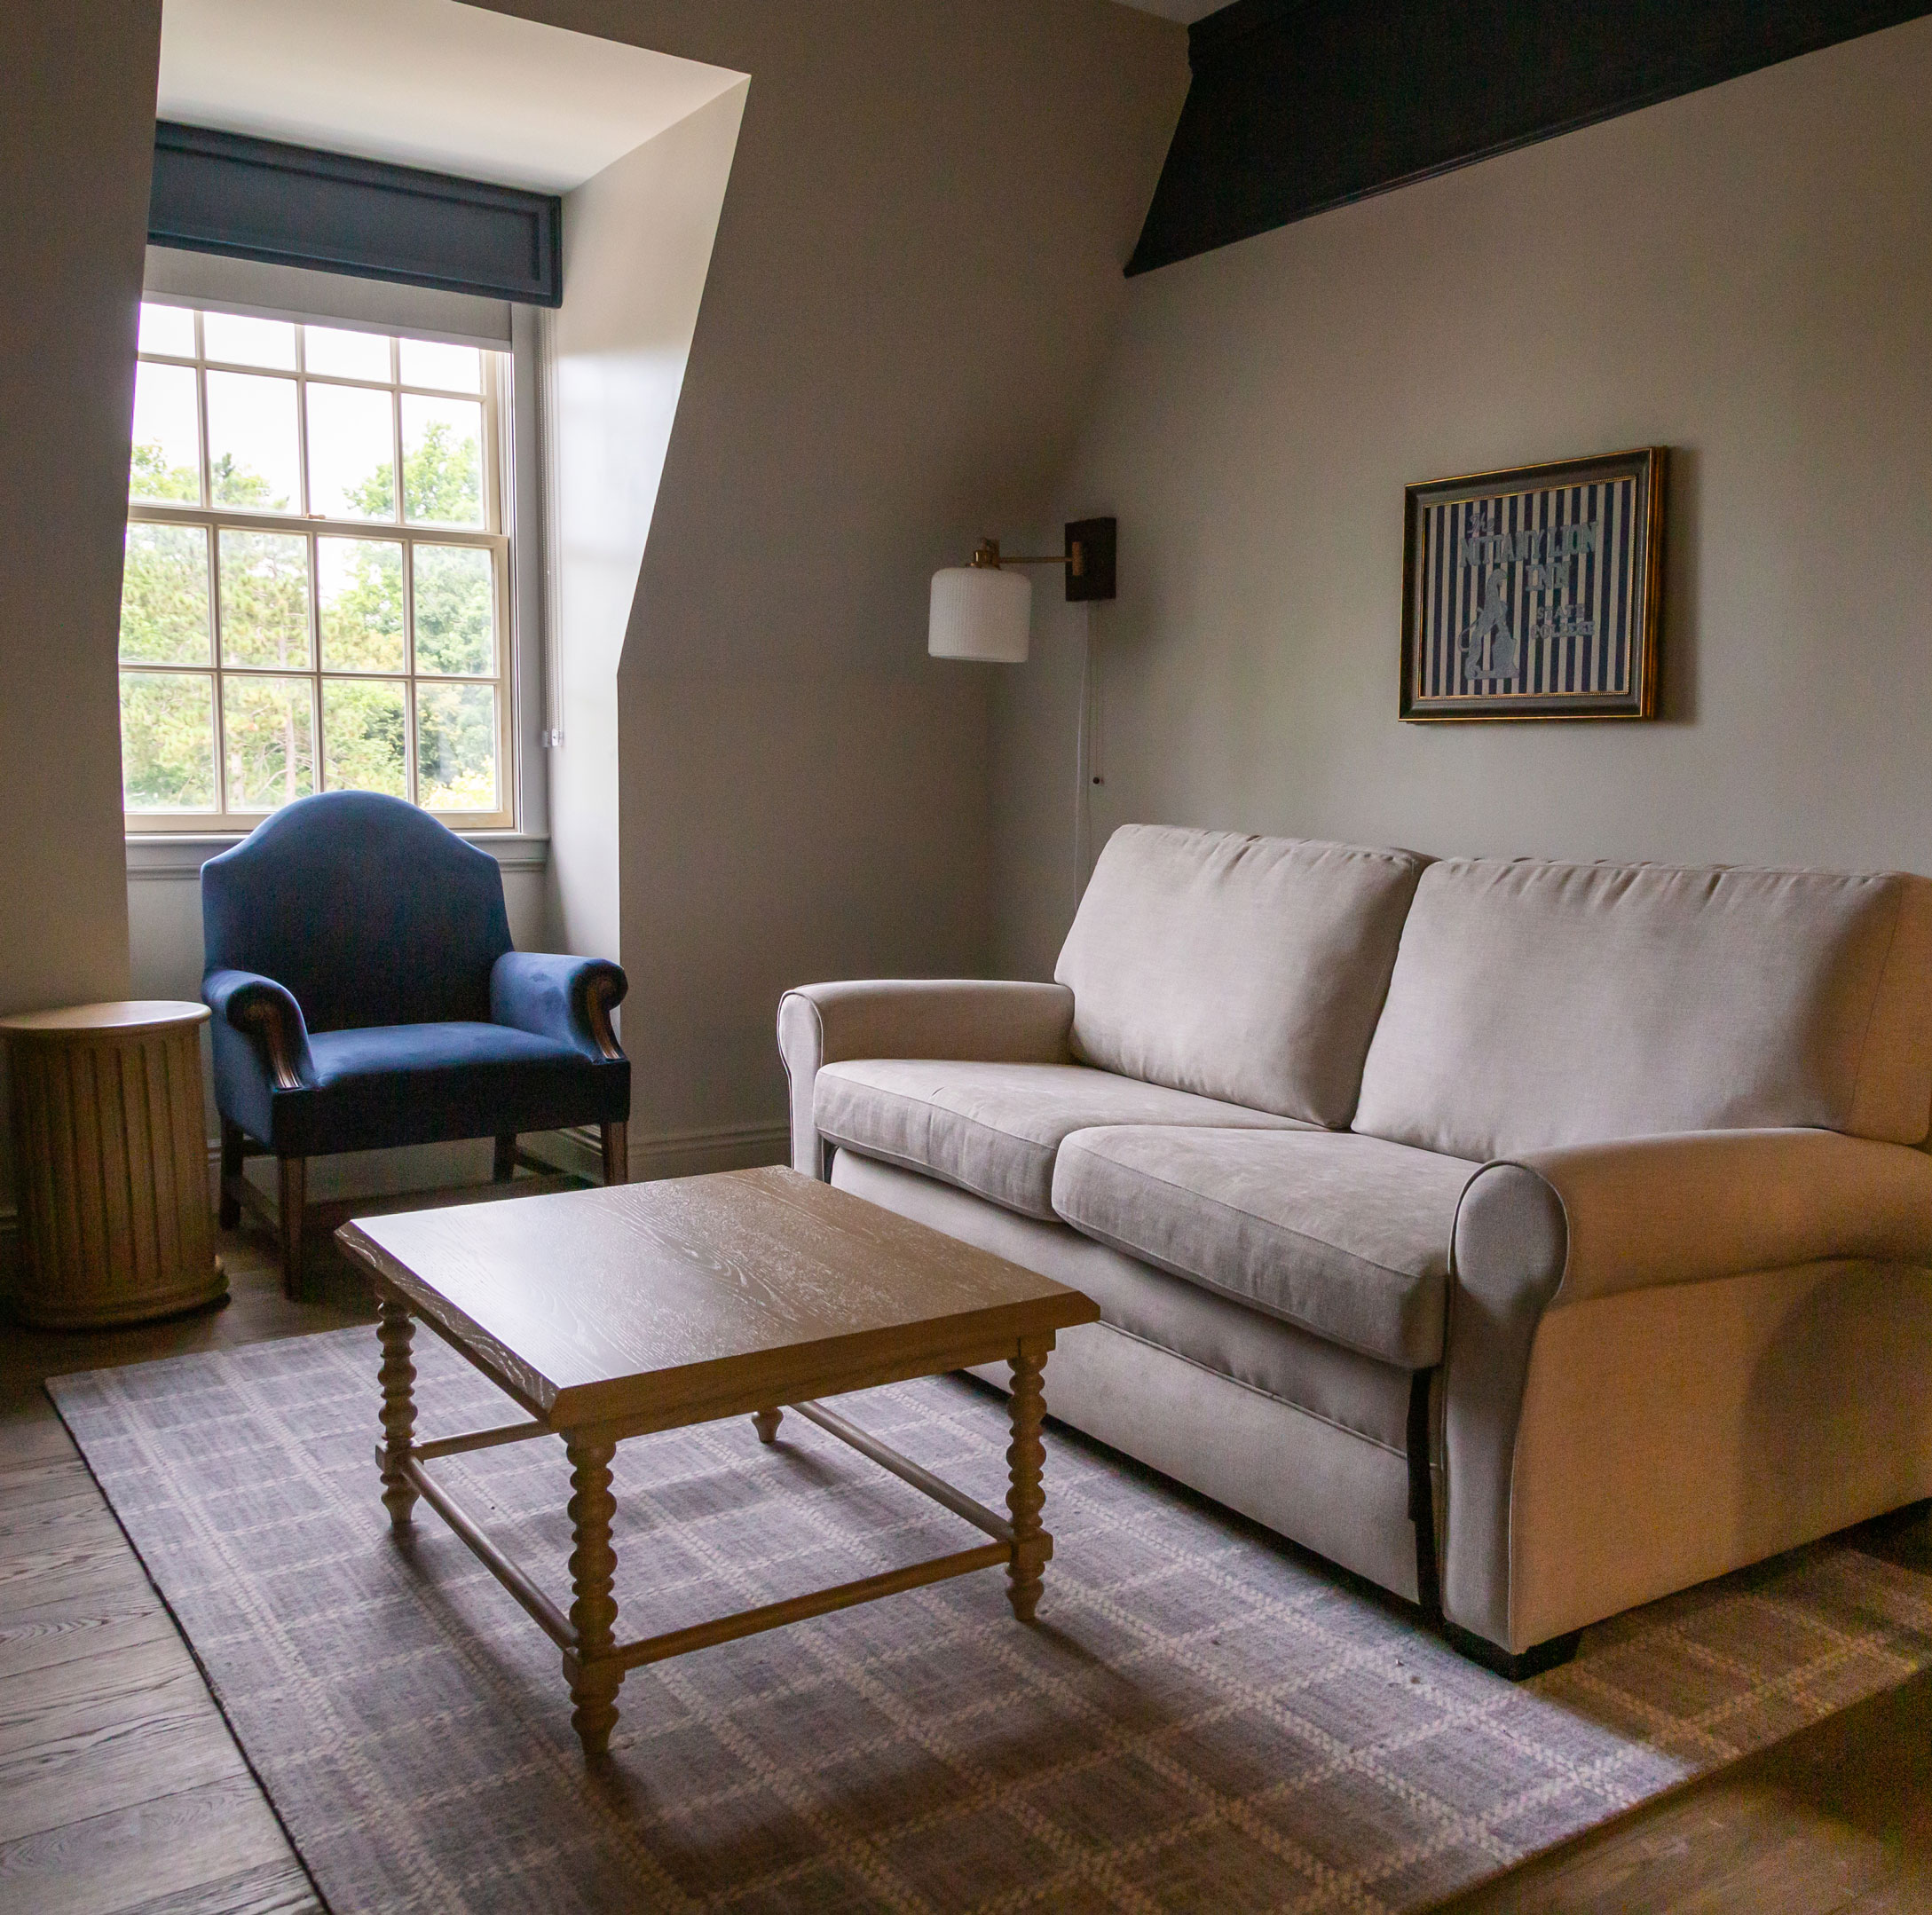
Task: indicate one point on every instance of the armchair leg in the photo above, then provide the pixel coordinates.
(504, 1164)
(293, 1180)
(616, 1153)
(229, 1211)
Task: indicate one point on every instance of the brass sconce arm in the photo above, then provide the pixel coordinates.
(1089, 558)
(987, 553)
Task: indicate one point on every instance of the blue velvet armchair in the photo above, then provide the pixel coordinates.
(365, 995)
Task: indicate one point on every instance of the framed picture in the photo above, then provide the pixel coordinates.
(1535, 594)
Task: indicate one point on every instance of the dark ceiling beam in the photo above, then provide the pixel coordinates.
(1297, 106)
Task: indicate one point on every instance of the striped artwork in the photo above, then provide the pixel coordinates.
(1531, 599)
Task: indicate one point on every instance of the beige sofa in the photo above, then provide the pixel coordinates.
(1533, 1239)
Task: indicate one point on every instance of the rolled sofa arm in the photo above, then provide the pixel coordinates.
(989, 1021)
(568, 998)
(1559, 1228)
(268, 1016)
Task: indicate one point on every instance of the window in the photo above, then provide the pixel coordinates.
(292, 618)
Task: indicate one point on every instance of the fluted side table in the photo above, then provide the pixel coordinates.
(111, 1161)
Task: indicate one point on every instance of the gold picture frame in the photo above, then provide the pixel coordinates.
(1534, 593)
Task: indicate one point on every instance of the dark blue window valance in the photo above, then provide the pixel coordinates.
(293, 206)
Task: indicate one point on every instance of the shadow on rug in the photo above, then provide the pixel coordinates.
(1203, 1718)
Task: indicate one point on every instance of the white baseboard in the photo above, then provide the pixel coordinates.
(577, 1151)
(735, 1146)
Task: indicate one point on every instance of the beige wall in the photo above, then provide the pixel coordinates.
(1745, 275)
(915, 280)
(75, 147)
(637, 247)
(915, 277)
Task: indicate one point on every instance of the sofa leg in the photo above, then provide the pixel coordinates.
(503, 1160)
(616, 1153)
(1517, 1668)
(1421, 1497)
(228, 1211)
(293, 1181)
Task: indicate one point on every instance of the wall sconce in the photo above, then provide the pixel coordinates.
(984, 613)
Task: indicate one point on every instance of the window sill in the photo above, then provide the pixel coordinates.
(170, 855)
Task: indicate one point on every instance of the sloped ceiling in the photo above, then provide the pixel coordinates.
(424, 83)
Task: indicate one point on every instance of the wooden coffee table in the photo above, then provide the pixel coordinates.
(610, 1313)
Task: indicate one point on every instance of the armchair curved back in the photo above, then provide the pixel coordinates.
(365, 908)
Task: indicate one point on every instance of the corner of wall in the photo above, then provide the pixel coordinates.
(638, 240)
(78, 153)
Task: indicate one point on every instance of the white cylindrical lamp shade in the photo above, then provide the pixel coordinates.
(979, 611)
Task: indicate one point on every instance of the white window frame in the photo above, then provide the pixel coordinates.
(507, 528)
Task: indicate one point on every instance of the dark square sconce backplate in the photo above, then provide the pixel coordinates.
(1095, 578)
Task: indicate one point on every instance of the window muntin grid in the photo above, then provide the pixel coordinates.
(329, 631)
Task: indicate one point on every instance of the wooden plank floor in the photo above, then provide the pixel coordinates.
(122, 1792)
(1833, 1820)
(120, 1789)
(1836, 1820)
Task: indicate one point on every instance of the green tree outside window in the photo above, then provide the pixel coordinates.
(271, 700)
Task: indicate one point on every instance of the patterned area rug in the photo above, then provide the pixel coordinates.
(1204, 1718)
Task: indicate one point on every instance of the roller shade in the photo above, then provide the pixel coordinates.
(295, 207)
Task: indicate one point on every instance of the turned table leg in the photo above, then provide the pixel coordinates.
(595, 1679)
(767, 1424)
(1031, 1544)
(394, 1330)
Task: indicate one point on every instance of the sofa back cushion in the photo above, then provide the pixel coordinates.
(1248, 969)
(1537, 1004)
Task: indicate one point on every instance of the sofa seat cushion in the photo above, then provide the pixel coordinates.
(1341, 1387)
(993, 1129)
(1345, 1236)
(389, 1084)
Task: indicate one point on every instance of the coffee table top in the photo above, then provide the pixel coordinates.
(673, 1302)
